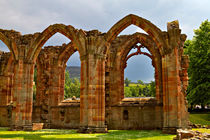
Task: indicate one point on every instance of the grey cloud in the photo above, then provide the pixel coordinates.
(29, 16)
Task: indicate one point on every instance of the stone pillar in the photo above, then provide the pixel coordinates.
(184, 83)
(5, 99)
(50, 85)
(173, 97)
(157, 86)
(40, 110)
(170, 93)
(57, 85)
(22, 95)
(5, 88)
(92, 94)
(56, 91)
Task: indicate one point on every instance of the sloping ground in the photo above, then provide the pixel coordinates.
(201, 118)
(74, 71)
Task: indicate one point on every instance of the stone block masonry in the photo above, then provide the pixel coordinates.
(103, 58)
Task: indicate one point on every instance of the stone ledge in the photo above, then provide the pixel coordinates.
(70, 102)
(132, 102)
(169, 130)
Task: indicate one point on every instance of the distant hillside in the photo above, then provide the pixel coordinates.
(74, 71)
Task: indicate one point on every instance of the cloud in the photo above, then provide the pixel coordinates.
(29, 16)
(139, 68)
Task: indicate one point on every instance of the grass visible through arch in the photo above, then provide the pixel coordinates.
(71, 134)
(201, 118)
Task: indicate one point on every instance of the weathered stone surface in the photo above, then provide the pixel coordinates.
(183, 134)
(103, 59)
(191, 135)
(37, 126)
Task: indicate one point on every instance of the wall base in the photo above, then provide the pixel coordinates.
(20, 128)
(28, 127)
(169, 130)
(90, 129)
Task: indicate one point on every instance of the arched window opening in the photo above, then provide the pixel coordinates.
(43, 70)
(3, 47)
(57, 40)
(35, 83)
(131, 30)
(72, 77)
(139, 73)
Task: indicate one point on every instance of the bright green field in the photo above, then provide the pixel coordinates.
(71, 134)
(203, 119)
(113, 134)
(133, 84)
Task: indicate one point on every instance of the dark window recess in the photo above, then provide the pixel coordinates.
(62, 113)
(125, 115)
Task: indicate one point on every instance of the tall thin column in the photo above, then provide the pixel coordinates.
(92, 98)
(22, 95)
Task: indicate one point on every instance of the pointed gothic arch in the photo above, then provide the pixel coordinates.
(140, 22)
(67, 31)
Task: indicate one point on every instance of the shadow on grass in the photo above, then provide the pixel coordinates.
(71, 134)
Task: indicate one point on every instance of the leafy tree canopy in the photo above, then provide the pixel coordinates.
(198, 50)
(127, 82)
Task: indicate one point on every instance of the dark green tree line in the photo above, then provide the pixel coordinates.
(198, 49)
(72, 87)
(140, 89)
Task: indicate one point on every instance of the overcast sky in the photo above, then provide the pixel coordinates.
(29, 16)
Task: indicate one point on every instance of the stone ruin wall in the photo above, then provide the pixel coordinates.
(66, 114)
(102, 100)
(5, 89)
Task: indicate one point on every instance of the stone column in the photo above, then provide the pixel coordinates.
(92, 94)
(5, 88)
(173, 97)
(56, 85)
(5, 99)
(184, 83)
(170, 93)
(56, 91)
(50, 85)
(22, 95)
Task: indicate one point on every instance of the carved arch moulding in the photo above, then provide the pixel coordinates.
(102, 57)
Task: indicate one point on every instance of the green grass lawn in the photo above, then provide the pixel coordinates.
(71, 134)
(203, 130)
(112, 134)
(201, 118)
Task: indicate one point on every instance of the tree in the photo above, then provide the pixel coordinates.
(140, 82)
(72, 87)
(127, 92)
(152, 90)
(198, 49)
(146, 91)
(134, 91)
(127, 82)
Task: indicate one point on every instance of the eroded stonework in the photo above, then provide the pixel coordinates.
(103, 58)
